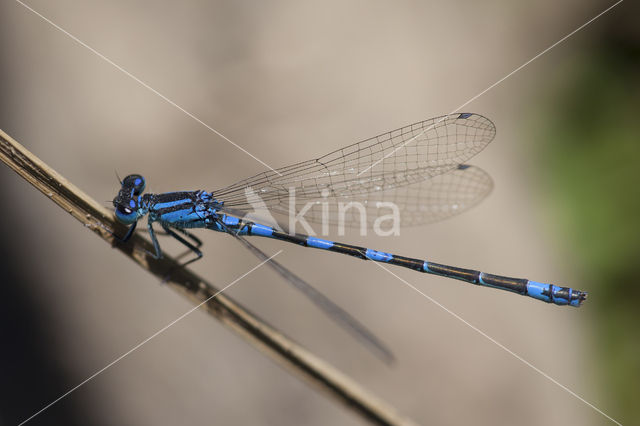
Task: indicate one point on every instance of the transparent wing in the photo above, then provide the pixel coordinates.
(430, 200)
(404, 156)
(333, 311)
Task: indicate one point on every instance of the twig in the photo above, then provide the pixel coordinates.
(269, 341)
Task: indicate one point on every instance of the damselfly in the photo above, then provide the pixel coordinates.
(420, 169)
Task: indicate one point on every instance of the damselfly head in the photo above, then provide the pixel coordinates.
(134, 183)
(126, 210)
(126, 203)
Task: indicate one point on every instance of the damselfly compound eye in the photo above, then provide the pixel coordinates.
(126, 215)
(134, 182)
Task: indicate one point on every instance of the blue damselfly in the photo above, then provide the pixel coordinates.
(420, 169)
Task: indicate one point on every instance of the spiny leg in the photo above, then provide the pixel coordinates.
(154, 240)
(190, 246)
(152, 234)
(127, 236)
(196, 241)
(193, 248)
(129, 233)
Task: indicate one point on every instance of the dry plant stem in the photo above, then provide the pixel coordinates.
(287, 353)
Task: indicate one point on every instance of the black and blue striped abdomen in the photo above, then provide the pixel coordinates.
(541, 291)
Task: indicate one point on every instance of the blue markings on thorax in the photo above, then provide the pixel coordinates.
(319, 243)
(182, 216)
(172, 203)
(378, 256)
(182, 209)
(205, 196)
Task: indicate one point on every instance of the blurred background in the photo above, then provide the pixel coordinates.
(290, 81)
